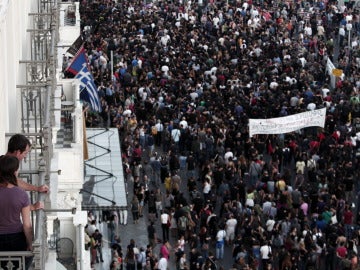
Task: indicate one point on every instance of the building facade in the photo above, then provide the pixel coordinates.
(36, 101)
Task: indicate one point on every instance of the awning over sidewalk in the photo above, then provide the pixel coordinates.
(104, 187)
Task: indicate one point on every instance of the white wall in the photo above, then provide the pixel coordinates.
(14, 46)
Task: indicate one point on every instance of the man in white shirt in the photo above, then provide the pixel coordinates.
(254, 12)
(274, 85)
(165, 220)
(160, 128)
(216, 21)
(91, 228)
(175, 134)
(162, 264)
(245, 5)
(183, 123)
(265, 252)
(228, 155)
(311, 106)
(320, 30)
(220, 239)
(230, 229)
(308, 30)
(325, 91)
(165, 69)
(303, 61)
(270, 223)
(341, 35)
(165, 39)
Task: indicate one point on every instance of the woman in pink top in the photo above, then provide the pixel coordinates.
(15, 222)
(304, 207)
(165, 250)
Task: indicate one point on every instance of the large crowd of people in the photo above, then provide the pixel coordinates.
(180, 81)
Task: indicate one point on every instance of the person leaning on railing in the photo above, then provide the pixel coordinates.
(19, 146)
(15, 232)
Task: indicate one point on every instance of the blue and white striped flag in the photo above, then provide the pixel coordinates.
(88, 89)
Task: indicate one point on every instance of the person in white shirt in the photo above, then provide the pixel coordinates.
(206, 189)
(257, 51)
(91, 228)
(311, 106)
(245, 5)
(220, 241)
(184, 123)
(341, 35)
(175, 135)
(254, 12)
(216, 21)
(230, 229)
(270, 223)
(165, 69)
(165, 39)
(160, 128)
(308, 30)
(265, 253)
(303, 61)
(165, 221)
(325, 91)
(300, 166)
(228, 155)
(274, 85)
(162, 264)
(320, 30)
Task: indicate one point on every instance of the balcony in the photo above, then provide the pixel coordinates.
(49, 113)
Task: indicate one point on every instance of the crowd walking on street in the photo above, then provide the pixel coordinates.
(180, 81)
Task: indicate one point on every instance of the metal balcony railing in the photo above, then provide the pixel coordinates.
(37, 104)
(14, 259)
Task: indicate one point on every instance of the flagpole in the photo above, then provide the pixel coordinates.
(85, 144)
(112, 66)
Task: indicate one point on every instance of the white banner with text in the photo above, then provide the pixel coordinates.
(288, 123)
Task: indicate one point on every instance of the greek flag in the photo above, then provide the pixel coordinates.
(88, 89)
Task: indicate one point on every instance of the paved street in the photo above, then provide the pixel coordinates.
(138, 232)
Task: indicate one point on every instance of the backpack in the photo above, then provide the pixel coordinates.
(277, 241)
(135, 207)
(345, 263)
(140, 258)
(182, 223)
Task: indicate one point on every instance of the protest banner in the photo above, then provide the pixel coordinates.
(288, 123)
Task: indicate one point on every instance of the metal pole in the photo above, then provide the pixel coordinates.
(112, 65)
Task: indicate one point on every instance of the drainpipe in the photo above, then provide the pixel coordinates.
(80, 245)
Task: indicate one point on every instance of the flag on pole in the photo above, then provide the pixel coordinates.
(88, 89)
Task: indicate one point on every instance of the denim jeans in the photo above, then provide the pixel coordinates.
(219, 249)
(14, 242)
(348, 230)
